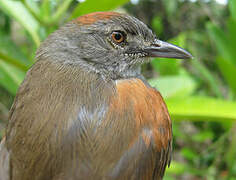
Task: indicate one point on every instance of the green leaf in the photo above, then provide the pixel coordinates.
(89, 6)
(222, 42)
(170, 6)
(33, 5)
(167, 66)
(228, 70)
(188, 153)
(12, 54)
(231, 152)
(201, 108)
(45, 10)
(18, 11)
(178, 168)
(208, 77)
(203, 136)
(173, 86)
(232, 8)
(225, 43)
(168, 177)
(10, 77)
(157, 25)
(231, 25)
(61, 10)
(14, 62)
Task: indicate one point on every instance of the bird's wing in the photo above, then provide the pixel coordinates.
(149, 134)
(66, 124)
(4, 161)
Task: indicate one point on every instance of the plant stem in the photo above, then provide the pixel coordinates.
(35, 15)
(214, 85)
(14, 62)
(61, 10)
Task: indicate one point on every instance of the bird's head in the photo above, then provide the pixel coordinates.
(109, 43)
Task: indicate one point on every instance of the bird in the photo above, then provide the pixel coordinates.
(85, 112)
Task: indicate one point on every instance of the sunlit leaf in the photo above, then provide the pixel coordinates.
(157, 25)
(18, 11)
(12, 54)
(45, 9)
(10, 77)
(165, 66)
(203, 136)
(188, 153)
(231, 25)
(168, 177)
(228, 70)
(170, 6)
(61, 10)
(222, 42)
(201, 109)
(33, 5)
(178, 168)
(172, 86)
(232, 8)
(89, 6)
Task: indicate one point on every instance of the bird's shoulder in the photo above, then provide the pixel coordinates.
(147, 109)
(146, 102)
(143, 109)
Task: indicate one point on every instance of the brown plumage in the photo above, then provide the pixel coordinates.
(84, 111)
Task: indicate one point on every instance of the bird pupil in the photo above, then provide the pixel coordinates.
(117, 36)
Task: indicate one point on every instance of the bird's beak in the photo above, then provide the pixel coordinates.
(163, 49)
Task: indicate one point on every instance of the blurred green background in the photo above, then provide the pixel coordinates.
(200, 93)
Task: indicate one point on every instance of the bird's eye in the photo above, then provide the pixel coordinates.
(118, 37)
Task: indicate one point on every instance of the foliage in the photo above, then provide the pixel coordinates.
(200, 93)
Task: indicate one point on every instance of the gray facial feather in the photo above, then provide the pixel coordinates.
(93, 48)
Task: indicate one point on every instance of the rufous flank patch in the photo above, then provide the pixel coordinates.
(150, 111)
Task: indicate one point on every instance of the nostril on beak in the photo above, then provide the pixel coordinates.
(155, 45)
